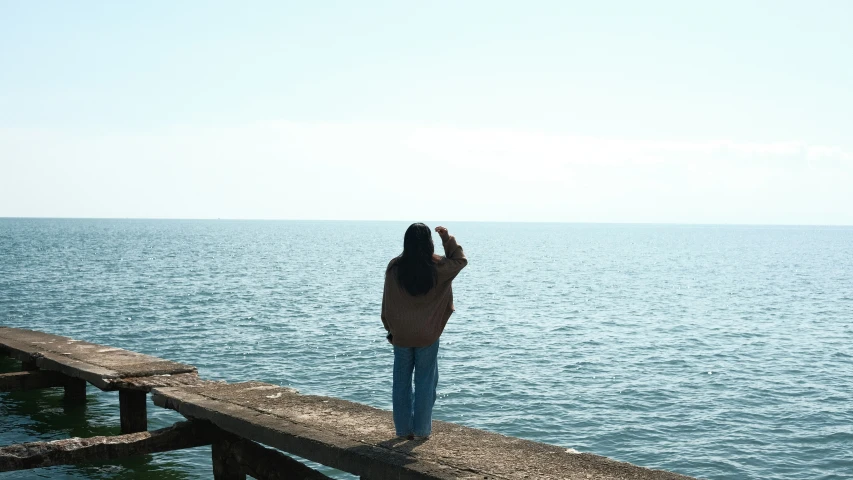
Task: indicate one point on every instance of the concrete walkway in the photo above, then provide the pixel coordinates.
(107, 368)
(360, 439)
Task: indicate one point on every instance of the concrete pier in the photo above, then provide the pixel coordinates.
(360, 439)
(108, 368)
(241, 420)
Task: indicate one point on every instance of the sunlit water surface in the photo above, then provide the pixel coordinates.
(717, 352)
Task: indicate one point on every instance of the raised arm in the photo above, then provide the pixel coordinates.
(452, 251)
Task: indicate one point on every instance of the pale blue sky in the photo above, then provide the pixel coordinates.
(679, 111)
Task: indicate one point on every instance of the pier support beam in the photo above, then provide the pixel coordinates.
(32, 380)
(28, 365)
(133, 411)
(75, 388)
(225, 466)
(235, 458)
(268, 464)
(75, 391)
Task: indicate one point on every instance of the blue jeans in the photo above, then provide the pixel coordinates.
(414, 415)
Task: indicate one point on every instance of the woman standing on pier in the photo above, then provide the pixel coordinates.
(416, 304)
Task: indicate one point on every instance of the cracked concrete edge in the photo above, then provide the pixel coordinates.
(324, 448)
(372, 460)
(99, 376)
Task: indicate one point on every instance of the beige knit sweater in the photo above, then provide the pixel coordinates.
(417, 321)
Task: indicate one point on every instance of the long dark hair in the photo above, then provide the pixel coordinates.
(416, 270)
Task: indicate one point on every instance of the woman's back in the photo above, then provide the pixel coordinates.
(418, 320)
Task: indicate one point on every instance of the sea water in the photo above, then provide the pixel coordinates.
(722, 352)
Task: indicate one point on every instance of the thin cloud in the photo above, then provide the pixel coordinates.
(374, 171)
(496, 145)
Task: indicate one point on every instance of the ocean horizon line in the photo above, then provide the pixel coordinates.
(527, 222)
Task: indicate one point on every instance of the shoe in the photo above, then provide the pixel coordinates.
(421, 438)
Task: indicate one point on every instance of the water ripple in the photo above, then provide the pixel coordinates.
(718, 352)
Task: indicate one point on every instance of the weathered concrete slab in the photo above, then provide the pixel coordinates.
(146, 384)
(98, 449)
(99, 365)
(360, 439)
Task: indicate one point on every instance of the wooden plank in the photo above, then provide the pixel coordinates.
(31, 380)
(97, 449)
(99, 365)
(360, 439)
